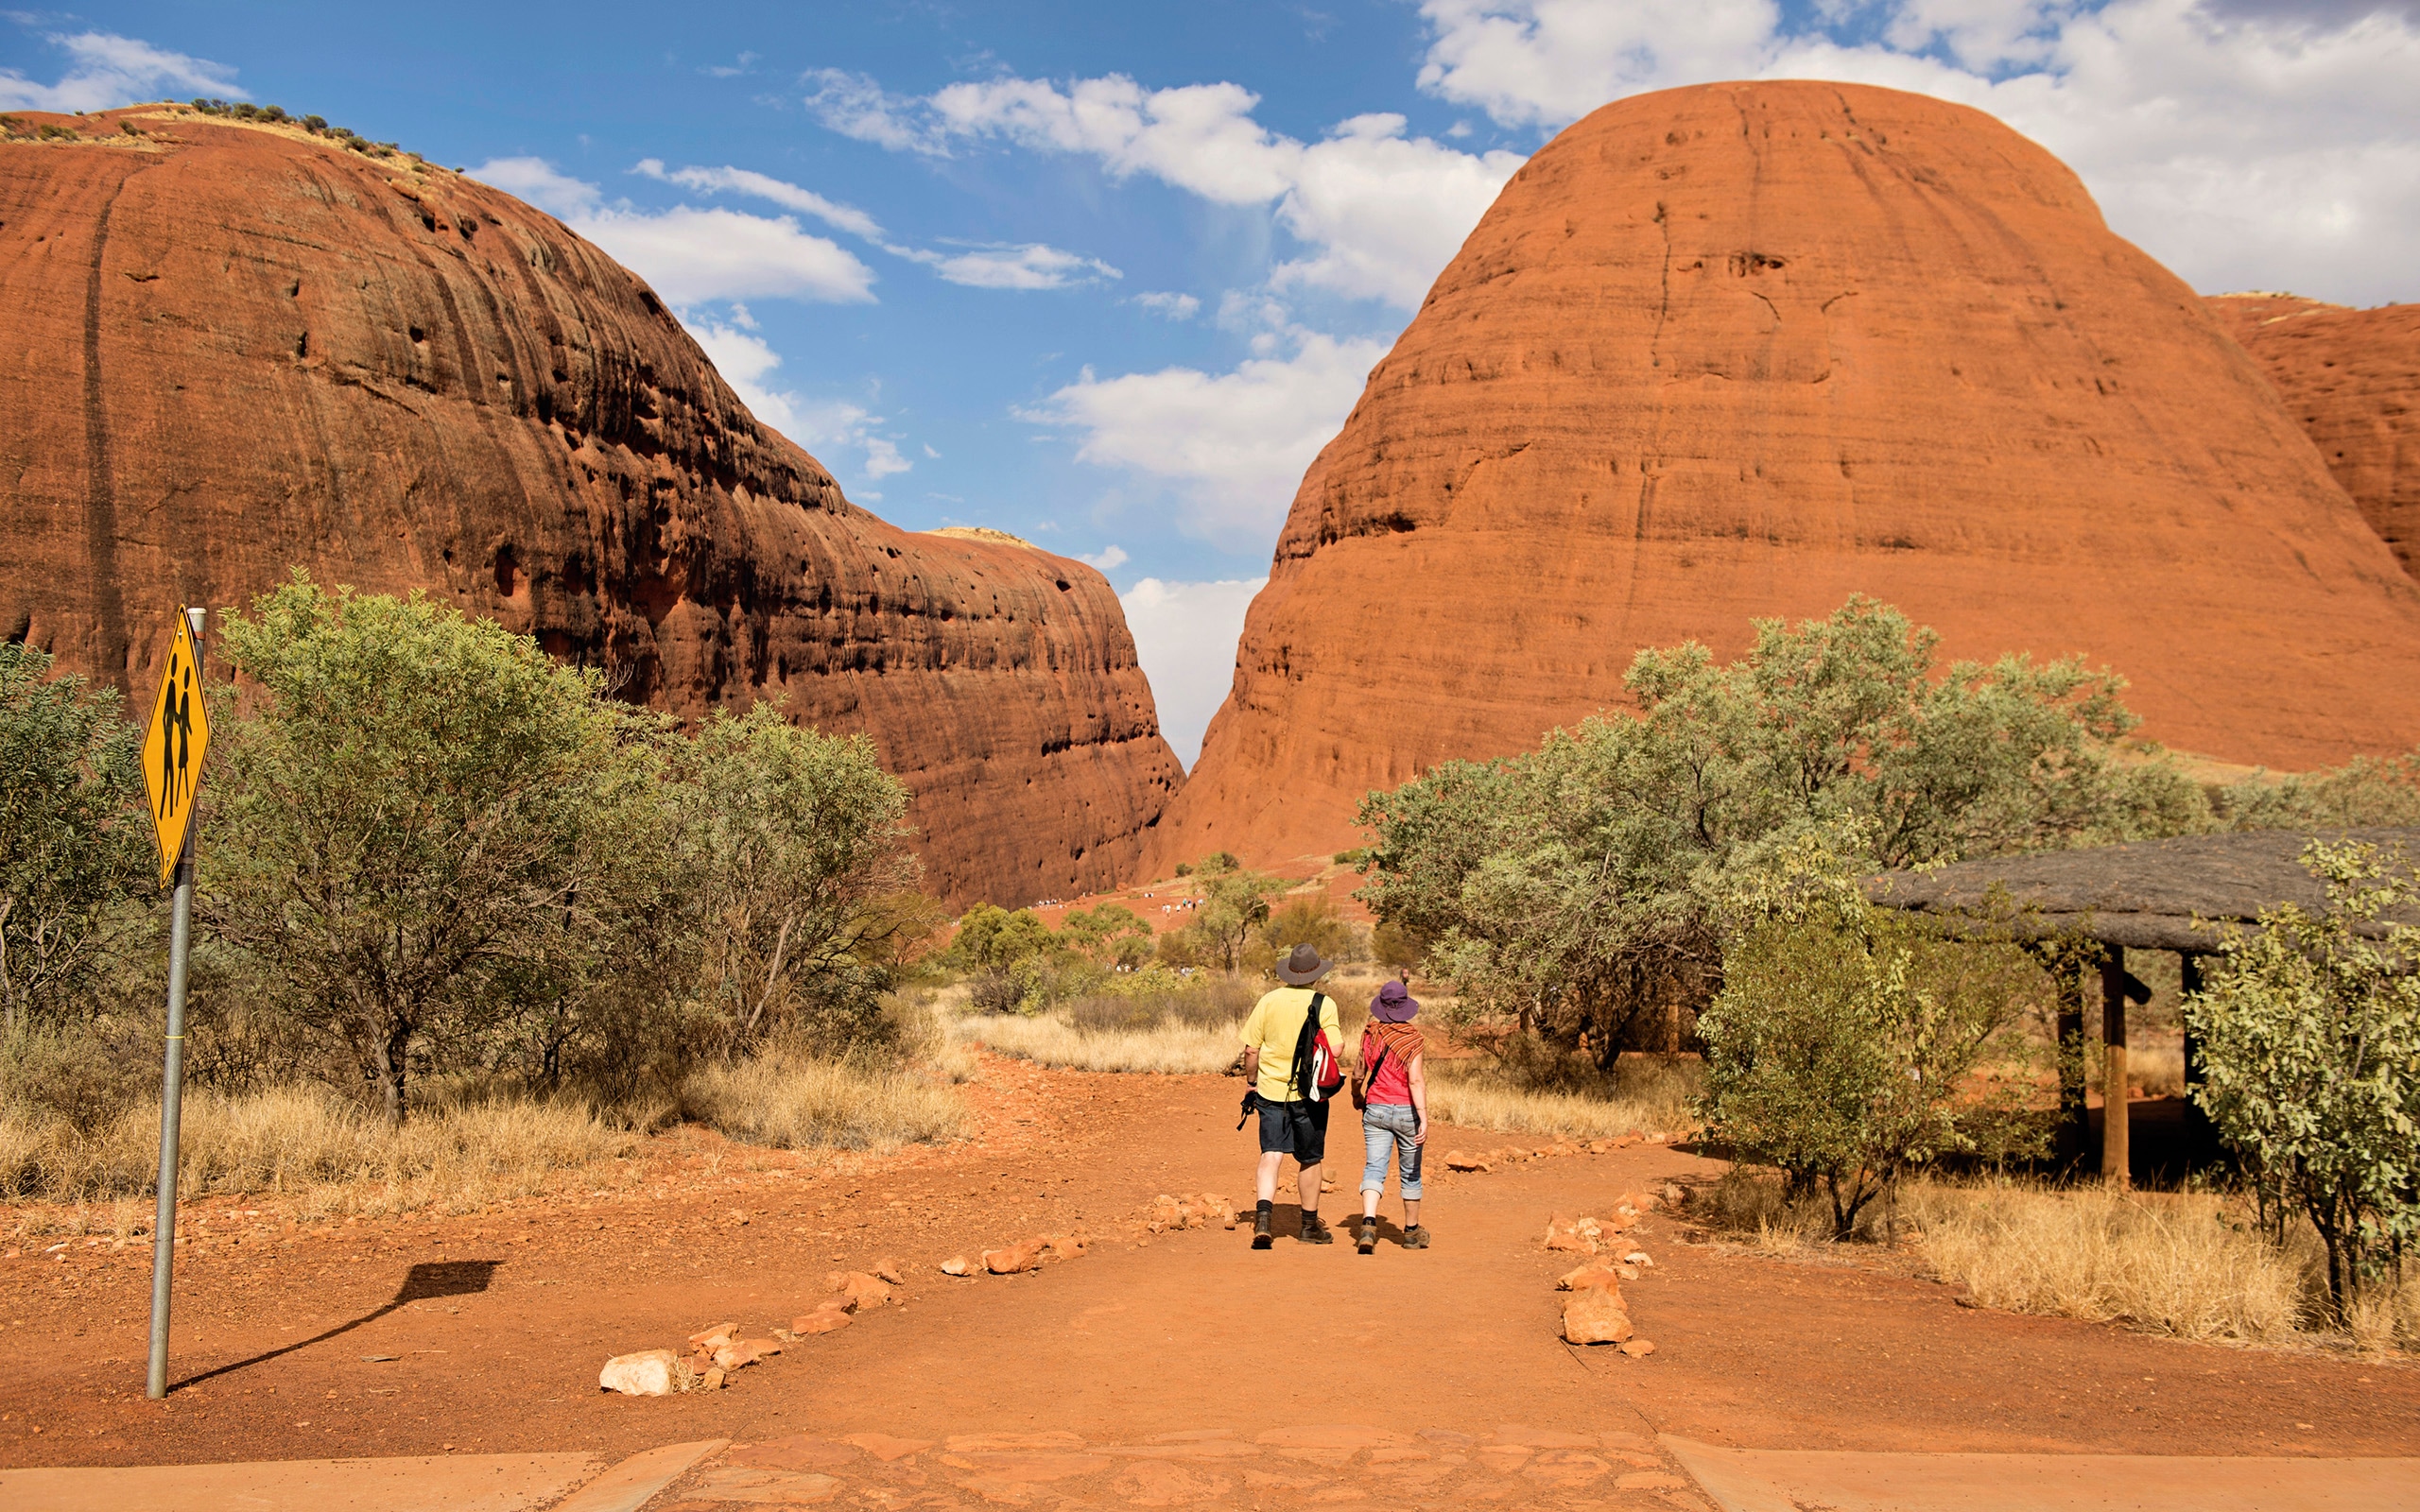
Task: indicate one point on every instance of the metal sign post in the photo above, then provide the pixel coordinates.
(172, 769)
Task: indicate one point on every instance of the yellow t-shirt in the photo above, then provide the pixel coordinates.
(1275, 1023)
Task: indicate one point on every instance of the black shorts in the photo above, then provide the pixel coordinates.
(1299, 1129)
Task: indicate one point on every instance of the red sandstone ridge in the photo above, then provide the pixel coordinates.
(2352, 378)
(238, 349)
(1744, 350)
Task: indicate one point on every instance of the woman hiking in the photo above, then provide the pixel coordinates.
(1393, 1090)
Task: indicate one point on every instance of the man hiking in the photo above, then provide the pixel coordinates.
(1289, 1059)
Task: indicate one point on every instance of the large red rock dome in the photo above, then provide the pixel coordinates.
(1744, 350)
(237, 349)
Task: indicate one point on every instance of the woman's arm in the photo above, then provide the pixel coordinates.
(1418, 1100)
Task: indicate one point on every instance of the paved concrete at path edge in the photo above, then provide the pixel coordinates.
(1776, 1480)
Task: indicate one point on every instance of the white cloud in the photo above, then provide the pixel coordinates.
(853, 105)
(1185, 637)
(2242, 147)
(105, 70)
(1107, 559)
(1233, 445)
(828, 429)
(1032, 266)
(1175, 306)
(992, 266)
(1379, 212)
(692, 255)
(765, 186)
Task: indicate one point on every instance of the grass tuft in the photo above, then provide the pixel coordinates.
(791, 1102)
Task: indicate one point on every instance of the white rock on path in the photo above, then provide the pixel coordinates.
(648, 1373)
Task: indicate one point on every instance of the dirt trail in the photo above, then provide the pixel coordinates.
(1189, 1335)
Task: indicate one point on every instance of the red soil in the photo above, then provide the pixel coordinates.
(1188, 1332)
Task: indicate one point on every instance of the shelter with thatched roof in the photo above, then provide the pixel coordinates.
(2178, 895)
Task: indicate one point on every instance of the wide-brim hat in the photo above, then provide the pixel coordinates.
(1303, 967)
(1394, 1004)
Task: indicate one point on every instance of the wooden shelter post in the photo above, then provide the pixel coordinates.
(2114, 1112)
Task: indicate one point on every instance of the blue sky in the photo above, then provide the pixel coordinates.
(1107, 275)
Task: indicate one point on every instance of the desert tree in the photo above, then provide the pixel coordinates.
(416, 812)
(73, 841)
(797, 845)
(1573, 889)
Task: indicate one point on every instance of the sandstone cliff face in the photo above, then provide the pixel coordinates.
(237, 350)
(2351, 379)
(1744, 350)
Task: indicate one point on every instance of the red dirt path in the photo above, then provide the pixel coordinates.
(1186, 1333)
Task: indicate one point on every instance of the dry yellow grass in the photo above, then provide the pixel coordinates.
(1050, 1039)
(794, 1103)
(462, 1150)
(2167, 1262)
(1650, 1097)
(300, 1139)
(2185, 1264)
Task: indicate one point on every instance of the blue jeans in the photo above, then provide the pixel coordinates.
(1388, 1127)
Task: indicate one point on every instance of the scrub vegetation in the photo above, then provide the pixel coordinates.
(459, 912)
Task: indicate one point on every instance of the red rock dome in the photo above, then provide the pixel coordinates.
(1745, 349)
(236, 348)
(2351, 379)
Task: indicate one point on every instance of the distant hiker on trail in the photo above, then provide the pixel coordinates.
(1289, 1059)
(1391, 1090)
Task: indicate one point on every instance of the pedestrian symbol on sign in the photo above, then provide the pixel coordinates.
(173, 750)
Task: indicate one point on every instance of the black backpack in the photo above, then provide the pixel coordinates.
(1315, 1069)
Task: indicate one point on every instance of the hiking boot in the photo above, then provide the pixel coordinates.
(1260, 1236)
(1315, 1230)
(1369, 1240)
(1416, 1237)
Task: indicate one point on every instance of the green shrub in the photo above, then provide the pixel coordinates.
(1843, 1046)
(75, 846)
(2311, 1049)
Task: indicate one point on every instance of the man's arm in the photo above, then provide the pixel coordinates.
(1252, 1064)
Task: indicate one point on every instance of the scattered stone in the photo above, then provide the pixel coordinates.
(828, 1318)
(1457, 1161)
(1596, 1273)
(1639, 1258)
(1579, 1235)
(1015, 1258)
(1596, 1315)
(1064, 1246)
(957, 1265)
(712, 1380)
(743, 1352)
(858, 1290)
(715, 1335)
(648, 1373)
(1638, 1348)
(889, 1270)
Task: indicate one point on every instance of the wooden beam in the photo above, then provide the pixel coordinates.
(2114, 1145)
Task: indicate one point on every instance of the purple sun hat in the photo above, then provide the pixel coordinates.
(1393, 1005)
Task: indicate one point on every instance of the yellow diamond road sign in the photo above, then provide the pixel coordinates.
(172, 751)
